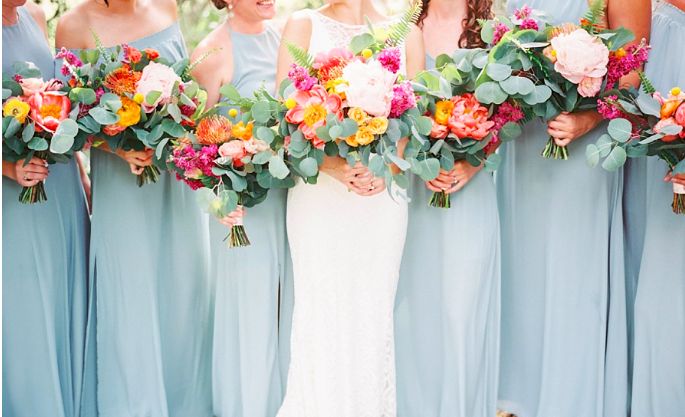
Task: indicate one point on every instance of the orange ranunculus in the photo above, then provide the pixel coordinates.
(48, 109)
(122, 80)
(242, 131)
(443, 111)
(213, 130)
(152, 54)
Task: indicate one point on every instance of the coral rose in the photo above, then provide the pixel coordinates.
(667, 122)
(254, 146)
(580, 55)
(235, 150)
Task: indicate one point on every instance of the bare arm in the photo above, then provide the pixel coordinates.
(39, 16)
(216, 69)
(416, 55)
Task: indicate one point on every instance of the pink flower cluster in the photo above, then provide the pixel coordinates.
(195, 164)
(506, 113)
(301, 78)
(403, 99)
(522, 18)
(391, 59)
(621, 65)
(608, 109)
(500, 30)
(69, 58)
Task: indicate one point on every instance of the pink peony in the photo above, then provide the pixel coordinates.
(157, 77)
(311, 109)
(438, 131)
(580, 55)
(590, 86)
(48, 109)
(370, 87)
(469, 118)
(31, 86)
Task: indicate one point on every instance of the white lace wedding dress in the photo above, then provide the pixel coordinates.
(346, 252)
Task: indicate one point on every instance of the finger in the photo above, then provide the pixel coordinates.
(34, 176)
(136, 170)
(443, 185)
(562, 142)
(27, 183)
(457, 187)
(38, 169)
(432, 187)
(38, 161)
(557, 125)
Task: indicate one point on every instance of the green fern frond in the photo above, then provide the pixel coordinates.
(399, 31)
(595, 15)
(301, 57)
(646, 84)
(189, 69)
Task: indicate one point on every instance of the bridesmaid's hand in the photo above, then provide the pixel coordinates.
(233, 217)
(568, 127)
(676, 179)
(137, 160)
(361, 180)
(455, 179)
(28, 175)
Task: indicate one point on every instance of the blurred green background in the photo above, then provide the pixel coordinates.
(198, 17)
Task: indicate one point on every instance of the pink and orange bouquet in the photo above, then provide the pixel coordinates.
(133, 99)
(352, 102)
(568, 67)
(646, 124)
(38, 120)
(462, 127)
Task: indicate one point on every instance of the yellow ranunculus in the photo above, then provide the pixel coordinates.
(242, 131)
(233, 113)
(443, 111)
(335, 86)
(358, 115)
(675, 91)
(17, 109)
(129, 113)
(352, 141)
(378, 125)
(367, 53)
(138, 98)
(290, 103)
(364, 136)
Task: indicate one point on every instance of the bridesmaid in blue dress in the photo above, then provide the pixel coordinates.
(448, 298)
(149, 248)
(564, 337)
(44, 268)
(659, 365)
(246, 379)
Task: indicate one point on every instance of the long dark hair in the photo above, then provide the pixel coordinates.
(477, 9)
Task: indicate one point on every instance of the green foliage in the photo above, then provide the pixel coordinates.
(399, 31)
(647, 85)
(595, 14)
(301, 56)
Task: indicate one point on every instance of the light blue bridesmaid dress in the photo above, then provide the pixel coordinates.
(246, 379)
(44, 275)
(564, 337)
(448, 304)
(149, 254)
(659, 364)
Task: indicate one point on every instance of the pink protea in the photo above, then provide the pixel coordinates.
(469, 118)
(403, 99)
(311, 109)
(329, 65)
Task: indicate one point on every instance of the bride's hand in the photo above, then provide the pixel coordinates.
(361, 180)
(233, 217)
(137, 160)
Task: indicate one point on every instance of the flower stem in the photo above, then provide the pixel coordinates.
(440, 200)
(554, 151)
(34, 194)
(237, 237)
(150, 175)
(678, 203)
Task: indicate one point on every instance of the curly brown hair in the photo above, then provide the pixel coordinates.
(219, 4)
(477, 9)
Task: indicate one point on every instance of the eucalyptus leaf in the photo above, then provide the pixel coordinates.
(38, 144)
(83, 95)
(497, 71)
(517, 85)
(103, 116)
(28, 132)
(308, 167)
(490, 93)
(265, 134)
(592, 154)
(278, 168)
(649, 105)
(261, 111)
(12, 128)
(620, 130)
(61, 143)
(615, 160)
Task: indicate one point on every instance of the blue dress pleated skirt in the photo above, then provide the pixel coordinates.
(659, 352)
(448, 304)
(149, 256)
(564, 326)
(46, 370)
(246, 367)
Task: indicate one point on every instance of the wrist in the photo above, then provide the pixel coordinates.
(9, 170)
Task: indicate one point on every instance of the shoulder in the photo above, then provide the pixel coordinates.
(170, 7)
(71, 27)
(415, 36)
(214, 51)
(298, 28)
(38, 14)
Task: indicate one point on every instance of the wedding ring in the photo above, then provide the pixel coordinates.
(26, 178)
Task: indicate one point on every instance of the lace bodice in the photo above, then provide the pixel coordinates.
(328, 33)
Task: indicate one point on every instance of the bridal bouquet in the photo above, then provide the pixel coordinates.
(38, 120)
(133, 99)
(644, 124)
(230, 160)
(571, 64)
(352, 102)
(462, 127)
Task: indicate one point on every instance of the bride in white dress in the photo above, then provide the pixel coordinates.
(346, 238)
